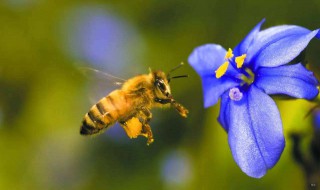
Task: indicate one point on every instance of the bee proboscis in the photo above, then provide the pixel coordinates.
(131, 104)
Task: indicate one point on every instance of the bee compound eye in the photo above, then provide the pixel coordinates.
(160, 84)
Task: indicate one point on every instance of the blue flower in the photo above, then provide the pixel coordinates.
(243, 79)
(316, 119)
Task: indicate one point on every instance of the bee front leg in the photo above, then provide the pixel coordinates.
(182, 110)
(163, 101)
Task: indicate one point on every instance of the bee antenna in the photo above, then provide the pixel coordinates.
(175, 68)
(179, 76)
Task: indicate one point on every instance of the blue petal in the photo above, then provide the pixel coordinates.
(293, 80)
(207, 58)
(316, 119)
(284, 50)
(243, 46)
(271, 35)
(213, 88)
(224, 111)
(255, 132)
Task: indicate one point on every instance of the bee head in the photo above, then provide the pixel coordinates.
(161, 83)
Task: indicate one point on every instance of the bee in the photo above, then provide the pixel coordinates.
(131, 105)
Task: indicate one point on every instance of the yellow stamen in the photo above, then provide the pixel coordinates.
(229, 54)
(222, 69)
(240, 60)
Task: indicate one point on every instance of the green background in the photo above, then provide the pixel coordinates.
(43, 96)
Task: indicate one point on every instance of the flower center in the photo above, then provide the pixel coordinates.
(247, 76)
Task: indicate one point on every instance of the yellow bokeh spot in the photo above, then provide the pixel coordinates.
(229, 54)
(222, 69)
(240, 60)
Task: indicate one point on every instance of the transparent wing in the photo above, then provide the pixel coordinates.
(95, 74)
(100, 83)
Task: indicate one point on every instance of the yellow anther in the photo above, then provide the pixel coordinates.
(222, 69)
(240, 60)
(229, 54)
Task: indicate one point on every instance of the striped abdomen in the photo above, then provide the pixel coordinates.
(105, 113)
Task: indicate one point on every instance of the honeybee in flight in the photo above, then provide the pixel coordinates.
(131, 104)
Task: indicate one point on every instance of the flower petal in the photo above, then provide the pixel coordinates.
(224, 111)
(243, 46)
(272, 34)
(207, 58)
(255, 132)
(293, 80)
(284, 50)
(213, 88)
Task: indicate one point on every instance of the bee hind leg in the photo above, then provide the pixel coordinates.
(132, 127)
(138, 125)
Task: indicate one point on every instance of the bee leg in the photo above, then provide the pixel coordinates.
(138, 124)
(163, 101)
(132, 126)
(147, 132)
(144, 116)
(182, 110)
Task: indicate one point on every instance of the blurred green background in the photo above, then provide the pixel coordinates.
(43, 96)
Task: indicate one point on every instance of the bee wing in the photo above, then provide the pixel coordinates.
(101, 76)
(100, 83)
